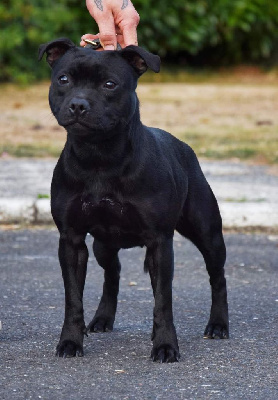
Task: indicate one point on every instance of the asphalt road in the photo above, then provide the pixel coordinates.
(117, 365)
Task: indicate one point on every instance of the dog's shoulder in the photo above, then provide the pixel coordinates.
(171, 145)
(175, 153)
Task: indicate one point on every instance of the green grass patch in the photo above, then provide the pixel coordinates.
(30, 150)
(244, 200)
(246, 145)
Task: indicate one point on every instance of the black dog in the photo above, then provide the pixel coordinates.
(127, 185)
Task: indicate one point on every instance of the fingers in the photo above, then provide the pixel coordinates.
(117, 16)
(107, 29)
(88, 36)
(107, 32)
(130, 34)
(127, 21)
(102, 12)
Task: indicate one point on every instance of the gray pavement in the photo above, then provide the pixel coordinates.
(247, 195)
(116, 365)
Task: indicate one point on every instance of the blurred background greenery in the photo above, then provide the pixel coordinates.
(195, 33)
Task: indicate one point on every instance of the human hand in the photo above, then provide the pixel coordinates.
(117, 21)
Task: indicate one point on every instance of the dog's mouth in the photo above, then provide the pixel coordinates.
(80, 123)
(97, 129)
(91, 122)
(76, 124)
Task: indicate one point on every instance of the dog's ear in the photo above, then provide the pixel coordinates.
(55, 49)
(140, 59)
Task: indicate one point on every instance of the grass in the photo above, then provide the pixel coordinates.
(35, 150)
(221, 116)
(218, 121)
(244, 200)
(257, 144)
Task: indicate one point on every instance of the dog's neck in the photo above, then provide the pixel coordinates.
(116, 152)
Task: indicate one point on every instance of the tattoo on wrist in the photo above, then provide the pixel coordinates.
(99, 5)
(125, 4)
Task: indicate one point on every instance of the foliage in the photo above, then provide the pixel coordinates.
(27, 24)
(221, 30)
(202, 31)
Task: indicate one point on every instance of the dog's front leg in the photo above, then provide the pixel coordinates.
(73, 256)
(107, 258)
(160, 263)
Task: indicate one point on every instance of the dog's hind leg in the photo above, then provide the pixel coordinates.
(73, 256)
(201, 223)
(105, 315)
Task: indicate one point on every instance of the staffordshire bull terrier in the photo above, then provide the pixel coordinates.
(127, 185)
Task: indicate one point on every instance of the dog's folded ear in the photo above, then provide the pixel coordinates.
(55, 49)
(140, 59)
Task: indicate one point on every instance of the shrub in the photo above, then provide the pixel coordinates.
(204, 31)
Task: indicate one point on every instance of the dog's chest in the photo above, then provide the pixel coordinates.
(104, 210)
(109, 219)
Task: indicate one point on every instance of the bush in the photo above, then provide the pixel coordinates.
(203, 31)
(25, 25)
(222, 31)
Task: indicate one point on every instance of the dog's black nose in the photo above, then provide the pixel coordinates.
(78, 106)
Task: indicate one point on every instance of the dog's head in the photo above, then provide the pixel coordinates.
(92, 92)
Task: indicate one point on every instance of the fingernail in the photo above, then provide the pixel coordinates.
(109, 47)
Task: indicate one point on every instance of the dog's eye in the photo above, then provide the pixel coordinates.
(110, 85)
(63, 79)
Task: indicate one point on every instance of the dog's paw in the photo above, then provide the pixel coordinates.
(68, 348)
(100, 324)
(216, 331)
(165, 354)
